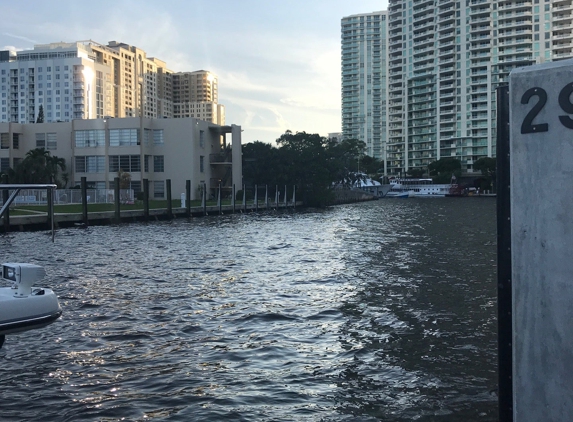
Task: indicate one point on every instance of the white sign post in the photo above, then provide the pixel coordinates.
(541, 156)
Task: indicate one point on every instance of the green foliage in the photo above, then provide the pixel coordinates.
(239, 196)
(488, 167)
(304, 160)
(312, 163)
(415, 172)
(124, 179)
(259, 163)
(443, 169)
(371, 166)
(39, 167)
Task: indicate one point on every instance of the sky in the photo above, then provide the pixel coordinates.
(277, 62)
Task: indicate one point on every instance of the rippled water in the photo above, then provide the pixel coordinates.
(375, 311)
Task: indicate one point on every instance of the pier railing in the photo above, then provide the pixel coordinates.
(84, 206)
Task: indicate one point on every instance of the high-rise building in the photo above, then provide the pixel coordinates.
(88, 80)
(445, 60)
(364, 80)
(196, 94)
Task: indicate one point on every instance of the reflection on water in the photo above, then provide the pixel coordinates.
(376, 311)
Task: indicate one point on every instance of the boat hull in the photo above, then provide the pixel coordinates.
(19, 314)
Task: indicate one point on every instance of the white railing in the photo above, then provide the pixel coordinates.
(71, 196)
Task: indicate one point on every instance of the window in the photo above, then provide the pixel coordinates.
(4, 141)
(202, 138)
(16, 140)
(51, 141)
(158, 189)
(135, 185)
(4, 164)
(89, 138)
(123, 137)
(40, 140)
(147, 133)
(90, 164)
(202, 164)
(146, 163)
(128, 163)
(158, 136)
(158, 164)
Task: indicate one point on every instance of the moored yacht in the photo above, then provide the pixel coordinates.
(409, 188)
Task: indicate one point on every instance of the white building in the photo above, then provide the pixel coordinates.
(88, 80)
(445, 60)
(148, 149)
(440, 63)
(364, 80)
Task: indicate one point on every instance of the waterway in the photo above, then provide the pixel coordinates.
(384, 310)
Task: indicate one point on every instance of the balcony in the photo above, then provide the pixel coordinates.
(221, 158)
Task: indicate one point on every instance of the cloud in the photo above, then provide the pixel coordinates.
(19, 37)
(11, 48)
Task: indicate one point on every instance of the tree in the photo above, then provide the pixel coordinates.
(124, 183)
(443, 169)
(55, 166)
(371, 166)
(415, 172)
(38, 166)
(40, 118)
(259, 163)
(305, 162)
(314, 164)
(345, 161)
(488, 167)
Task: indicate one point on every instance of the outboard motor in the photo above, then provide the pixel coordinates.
(24, 306)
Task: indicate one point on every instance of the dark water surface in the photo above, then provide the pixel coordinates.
(377, 311)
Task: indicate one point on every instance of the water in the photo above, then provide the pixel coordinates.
(375, 311)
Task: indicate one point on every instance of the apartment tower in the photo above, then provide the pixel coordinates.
(196, 94)
(445, 60)
(88, 80)
(364, 80)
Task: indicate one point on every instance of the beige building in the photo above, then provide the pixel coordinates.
(196, 94)
(88, 80)
(148, 149)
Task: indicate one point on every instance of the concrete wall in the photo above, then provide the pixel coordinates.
(542, 241)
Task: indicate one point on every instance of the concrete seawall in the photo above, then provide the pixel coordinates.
(41, 221)
(347, 196)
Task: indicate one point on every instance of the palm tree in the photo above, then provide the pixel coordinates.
(39, 167)
(33, 167)
(54, 165)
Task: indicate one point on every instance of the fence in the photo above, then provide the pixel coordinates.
(72, 196)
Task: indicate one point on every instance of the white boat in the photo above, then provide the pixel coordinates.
(371, 186)
(24, 306)
(410, 188)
